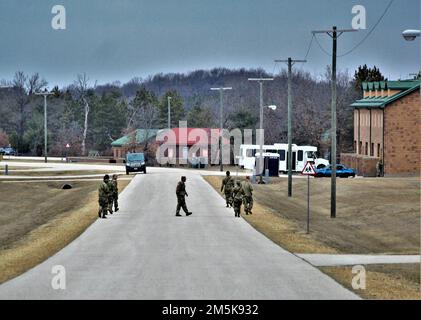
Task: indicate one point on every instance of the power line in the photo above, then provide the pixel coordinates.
(309, 47)
(370, 32)
(321, 47)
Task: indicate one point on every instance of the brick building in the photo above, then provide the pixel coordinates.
(387, 127)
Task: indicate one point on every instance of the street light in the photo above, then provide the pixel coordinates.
(260, 81)
(221, 108)
(45, 94)
(411, 35)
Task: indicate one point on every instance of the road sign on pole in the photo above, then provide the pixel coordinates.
(308, 171)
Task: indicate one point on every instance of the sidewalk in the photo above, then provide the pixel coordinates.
(328, 260)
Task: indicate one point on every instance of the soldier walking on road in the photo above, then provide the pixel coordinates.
(103, 192)
(114, 192)
(110, 195)
(181, 197)
(248, 195)
(227, 186)
(237, 195)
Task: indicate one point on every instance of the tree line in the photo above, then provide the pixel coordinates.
(88, 116)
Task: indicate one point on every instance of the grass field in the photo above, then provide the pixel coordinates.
(39, 219)
(373, 216)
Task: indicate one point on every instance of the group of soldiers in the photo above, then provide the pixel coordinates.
(108, 196)
(238, 193)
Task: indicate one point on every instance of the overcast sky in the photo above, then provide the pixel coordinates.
(118, 40)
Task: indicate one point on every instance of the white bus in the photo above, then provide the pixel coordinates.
(300, 156)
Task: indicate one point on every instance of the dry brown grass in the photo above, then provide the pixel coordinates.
(30, 238)
(386, 282)
(374, 216)
(280, 230)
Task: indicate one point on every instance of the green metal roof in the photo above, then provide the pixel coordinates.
(406, 87)
(141, 136)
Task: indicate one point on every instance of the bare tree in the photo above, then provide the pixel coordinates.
(81, 88)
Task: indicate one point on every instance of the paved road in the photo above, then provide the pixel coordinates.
(145, 252)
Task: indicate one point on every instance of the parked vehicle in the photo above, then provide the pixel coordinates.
(341, 172)
(135, 162)
(300, 156)
(2, 152)
(8, 151)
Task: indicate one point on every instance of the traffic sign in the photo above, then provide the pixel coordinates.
(67, 145)
(308, 169)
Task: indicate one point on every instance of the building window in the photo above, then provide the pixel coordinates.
(378, 150)
(300, 155)
(372, 150)
(355, 146)
(360, 147)
(366, 149)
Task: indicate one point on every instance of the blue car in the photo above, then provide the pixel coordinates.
(341, 172)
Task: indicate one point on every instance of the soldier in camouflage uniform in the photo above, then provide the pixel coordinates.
(248, 195)
(237, 195)
(103, 192)
(114, 192)
(227, 186)
(181, 197)
(110, 195)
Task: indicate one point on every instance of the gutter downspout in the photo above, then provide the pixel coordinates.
(383, 160)
(371, 151)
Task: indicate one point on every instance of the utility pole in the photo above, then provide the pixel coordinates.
(45, 94)
(169, 112)
(221, 124)
(290, 64)
(334, 34)
(260, 81)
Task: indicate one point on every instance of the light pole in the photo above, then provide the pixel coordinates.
(334, 35)
(45, 94)
(290, 64)
(221, 110)
(260, 81)
(169, 111)
(411, 35)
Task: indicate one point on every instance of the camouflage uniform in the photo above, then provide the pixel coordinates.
(227, 186)
(237, 195)
(181, 198)
(114, 192)
(248, 196)
(103, 192)
(111, 191)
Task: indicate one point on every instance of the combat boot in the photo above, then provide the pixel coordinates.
(189, 214)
